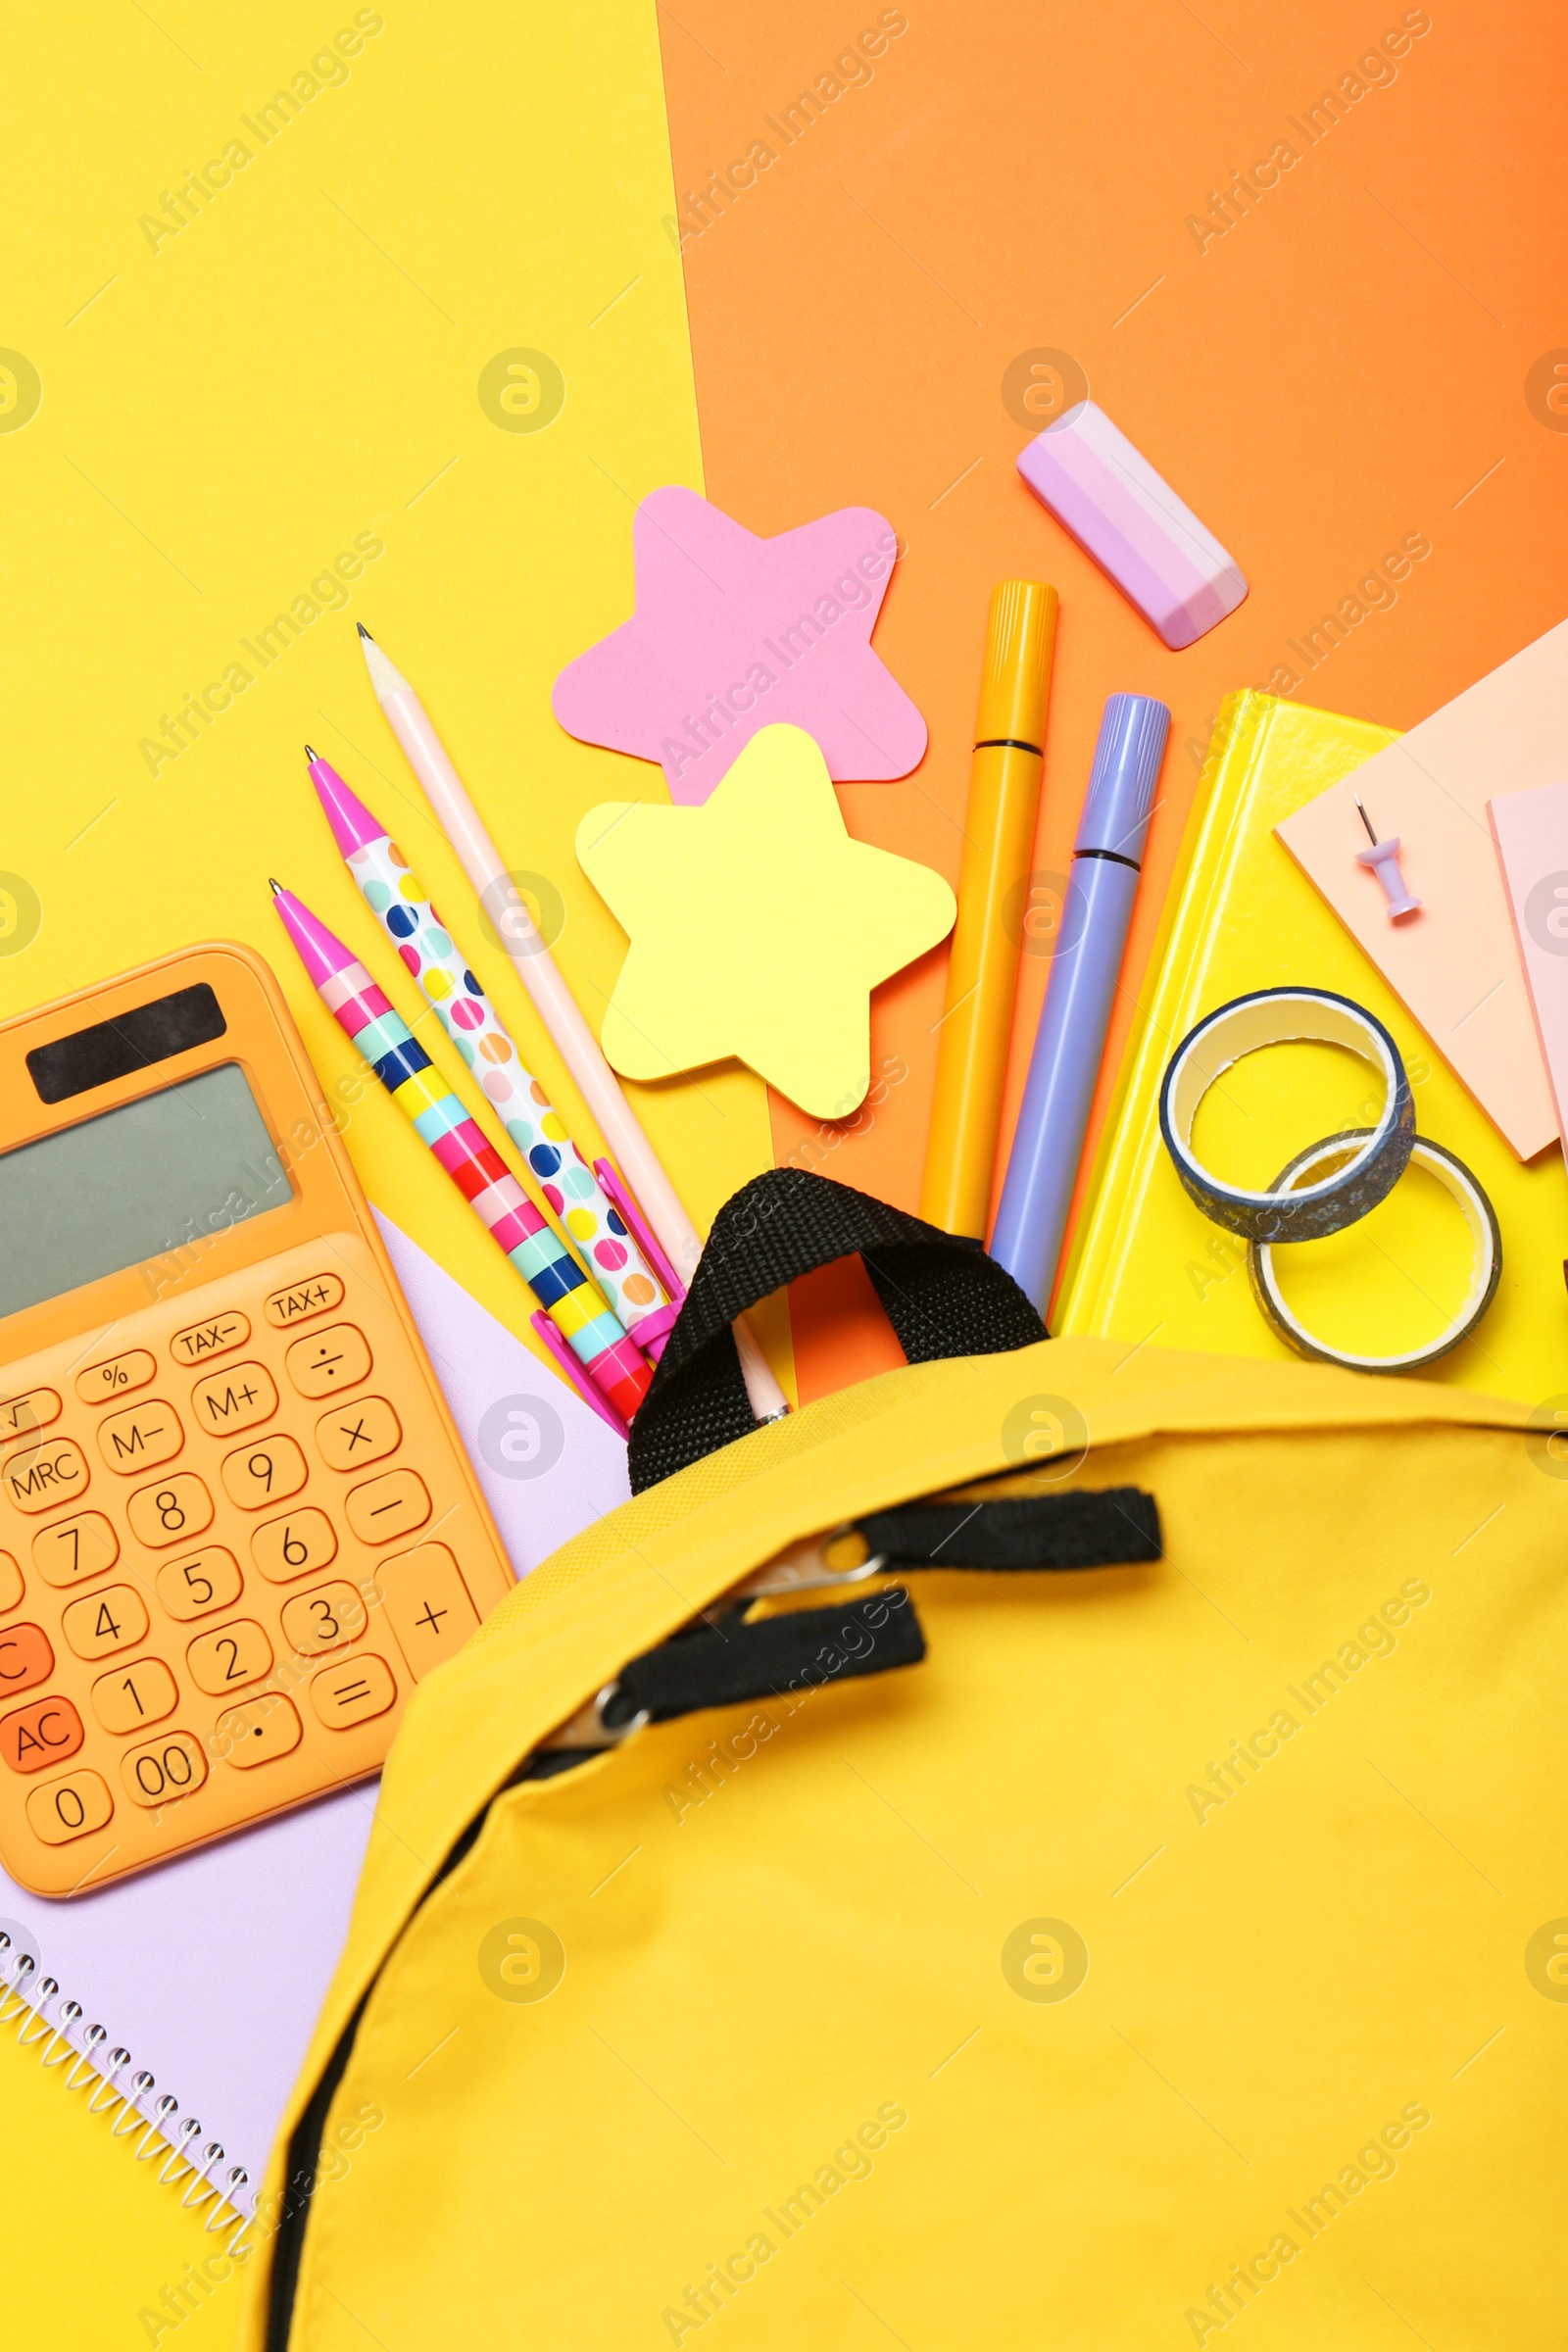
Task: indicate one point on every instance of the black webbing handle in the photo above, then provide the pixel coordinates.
(723, 1665)
(1105, 1526)
(942, 1296)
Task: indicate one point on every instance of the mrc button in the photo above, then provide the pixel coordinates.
(43, 1471)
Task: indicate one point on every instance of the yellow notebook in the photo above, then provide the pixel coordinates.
(1147, 1266)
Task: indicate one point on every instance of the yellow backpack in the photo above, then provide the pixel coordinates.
(1134, 1911)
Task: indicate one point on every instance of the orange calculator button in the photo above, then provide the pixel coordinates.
(264, 1473)
(140, 1437)
(328, 1360)
(361, 1432)
(113, 1619)
(291, 1546)
(199, 1341)
(386, 1507)
(427, 1605)
(10, 1583)
(268, 1727)
(73, 1549)
(117, 1377)
(169, 1513)
(231, 1658)
(35, 1410)
(167, 1769)
(40, 1472)
(353, 1693)
(209, 1579)
(69, 1808)
(325, 1620)
(126, 1699)
(26, 1658)
(235, 1400)
(303, 1300)
(46, 1733)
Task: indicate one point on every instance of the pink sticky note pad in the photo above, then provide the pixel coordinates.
(731, 633)
(1531, 831)
(1109, 496)
(1454, 965)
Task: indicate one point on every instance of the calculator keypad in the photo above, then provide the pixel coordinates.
(212, 1552)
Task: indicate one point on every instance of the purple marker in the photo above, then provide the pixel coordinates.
(1071, 1038)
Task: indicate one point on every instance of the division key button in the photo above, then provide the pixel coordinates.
(328, 1360)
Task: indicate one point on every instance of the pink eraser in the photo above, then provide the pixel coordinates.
(1109, 497)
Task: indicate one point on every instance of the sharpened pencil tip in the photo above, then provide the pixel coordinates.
(364, 631)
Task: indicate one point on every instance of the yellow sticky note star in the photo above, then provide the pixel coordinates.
(757, 927)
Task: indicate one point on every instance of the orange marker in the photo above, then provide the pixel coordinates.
(983, 965)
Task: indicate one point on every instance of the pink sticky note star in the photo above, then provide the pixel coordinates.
(732, 633)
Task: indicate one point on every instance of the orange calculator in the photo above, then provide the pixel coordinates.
(236, 1522)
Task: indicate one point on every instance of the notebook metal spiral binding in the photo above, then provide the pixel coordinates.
(27, 2009)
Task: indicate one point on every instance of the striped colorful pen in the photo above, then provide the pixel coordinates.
(397, 900)
(575, 1324)
(545, 987)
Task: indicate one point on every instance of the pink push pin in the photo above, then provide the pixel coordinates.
(1384, 859)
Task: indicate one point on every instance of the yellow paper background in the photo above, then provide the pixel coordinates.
(220, 420)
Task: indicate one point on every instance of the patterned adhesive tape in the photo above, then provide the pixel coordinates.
(1276, 1016)
(1486, 1264)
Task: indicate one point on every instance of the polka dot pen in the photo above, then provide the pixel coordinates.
(593, 1334)
(398, 901)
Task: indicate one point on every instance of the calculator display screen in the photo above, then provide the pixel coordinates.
(160, 1174)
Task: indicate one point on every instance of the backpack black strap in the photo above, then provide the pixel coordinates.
(942, 1296)
(1107, 1526)
(722, 1665)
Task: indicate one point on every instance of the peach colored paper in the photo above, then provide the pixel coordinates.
(1531, 831)
(1455, 965)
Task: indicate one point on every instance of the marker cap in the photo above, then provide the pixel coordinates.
(1016, 675)
(1121, 783)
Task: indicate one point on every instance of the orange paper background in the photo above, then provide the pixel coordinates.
(1347, 365)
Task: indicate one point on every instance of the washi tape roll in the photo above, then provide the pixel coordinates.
(1278, 1016)
(1484, 1273)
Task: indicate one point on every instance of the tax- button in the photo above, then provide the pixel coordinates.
(116, 1377)
(140, 1437)
(235, 1400)
(328, 1360)
(43, 1471)
(46, 1733)
(353, 1693)
(200, 1340)
(361, 1432)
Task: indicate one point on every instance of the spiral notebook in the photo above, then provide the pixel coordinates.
(192, 1989)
